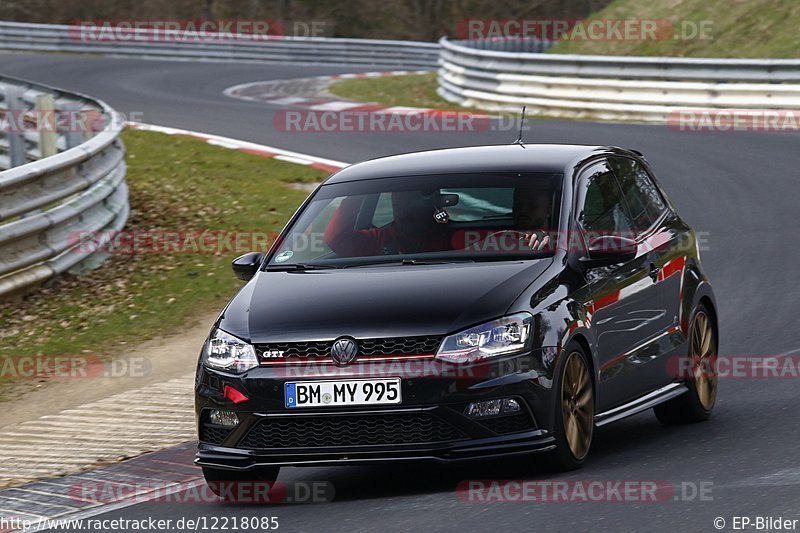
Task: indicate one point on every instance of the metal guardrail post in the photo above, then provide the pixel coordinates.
(76, 128)
(46, 124)
(16, 140)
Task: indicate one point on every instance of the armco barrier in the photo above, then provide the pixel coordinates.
(298, 50)
(610, 87)
(57, 183)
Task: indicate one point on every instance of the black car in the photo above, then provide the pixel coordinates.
(458, 304)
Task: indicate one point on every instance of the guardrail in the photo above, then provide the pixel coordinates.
(64, 187)
(142, 42)
(610, 87)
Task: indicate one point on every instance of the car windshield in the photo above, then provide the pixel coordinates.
(429, 218)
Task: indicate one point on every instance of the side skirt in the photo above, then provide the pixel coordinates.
(648, 401)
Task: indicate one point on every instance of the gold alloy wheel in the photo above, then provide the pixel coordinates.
(704, 360)
(577, 406)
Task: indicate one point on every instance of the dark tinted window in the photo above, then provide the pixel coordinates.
(602, 208)
(644, 201)
(439, 216)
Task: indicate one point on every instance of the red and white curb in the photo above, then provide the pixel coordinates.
(44, 504)
(289, 92)
(320, 163)
(278, 93)
(109, 430)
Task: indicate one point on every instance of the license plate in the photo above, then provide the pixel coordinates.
(349, 392)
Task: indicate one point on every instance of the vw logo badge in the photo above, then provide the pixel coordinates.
(344, 350)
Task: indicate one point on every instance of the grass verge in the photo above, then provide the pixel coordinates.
(177, 184)
(733, 28)
(413, 90)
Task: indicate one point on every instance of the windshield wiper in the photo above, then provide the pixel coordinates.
(297, 266)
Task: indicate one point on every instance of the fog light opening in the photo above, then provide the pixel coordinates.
(223, 418)
(502, 406)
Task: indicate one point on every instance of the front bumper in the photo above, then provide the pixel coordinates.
(430, 425)
(237, 459)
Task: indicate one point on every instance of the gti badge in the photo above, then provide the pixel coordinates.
(272, 354)
(344, 350)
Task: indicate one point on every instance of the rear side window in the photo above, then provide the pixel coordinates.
(603, 209)
(644, 200)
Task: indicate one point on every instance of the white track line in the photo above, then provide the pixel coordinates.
(339, 105)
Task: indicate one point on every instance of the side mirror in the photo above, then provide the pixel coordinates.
(609, 250)
(245, 266)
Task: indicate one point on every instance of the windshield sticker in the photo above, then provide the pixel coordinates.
(284, 256)
(441, 216)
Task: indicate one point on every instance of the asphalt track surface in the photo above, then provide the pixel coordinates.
(741, 189)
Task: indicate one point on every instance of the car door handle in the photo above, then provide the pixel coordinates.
(654, 270)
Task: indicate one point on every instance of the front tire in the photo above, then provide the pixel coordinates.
(228, 484)
(574, 417)
(697, 404)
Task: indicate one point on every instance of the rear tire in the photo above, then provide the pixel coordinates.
(227, 484)
(697, 404)
(574, 416)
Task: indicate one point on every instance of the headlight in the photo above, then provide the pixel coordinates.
(226, 352)
(505, 336)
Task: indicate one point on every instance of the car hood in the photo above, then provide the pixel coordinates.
(378, 301)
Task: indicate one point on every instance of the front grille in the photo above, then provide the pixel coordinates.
(297, 349)
(509, 424)
(349, 430)
(387, 347)
(214, 434)
(399, 346)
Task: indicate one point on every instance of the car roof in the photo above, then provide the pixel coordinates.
(555, 158)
